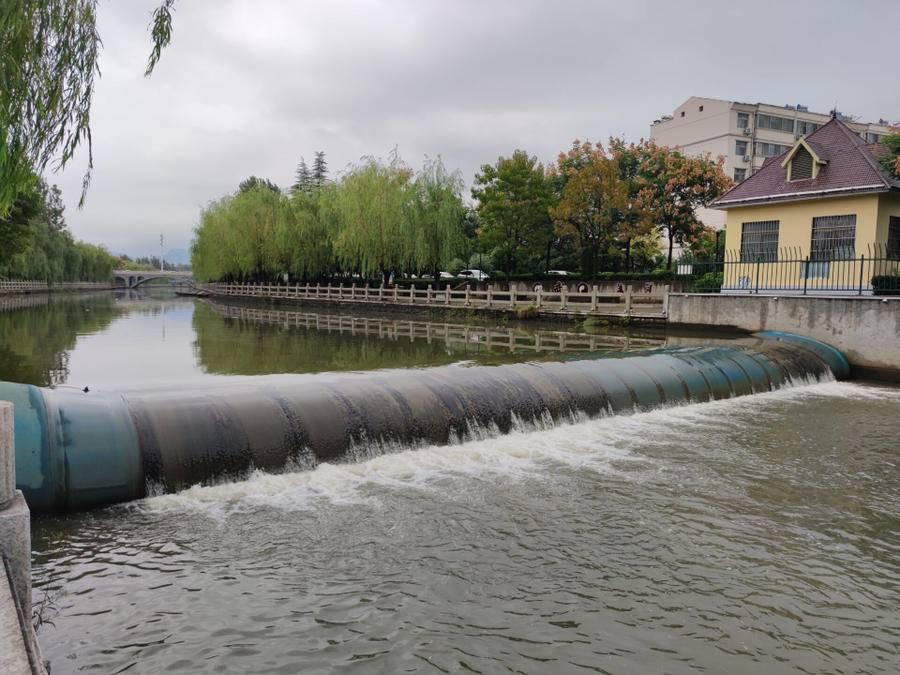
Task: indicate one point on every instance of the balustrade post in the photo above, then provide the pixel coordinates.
(396, 293)
(512, 294)
(490, 297)
(628, 292)
(666, 289)
(467, 295)
(381, 293)
(428, 295)
(412, 294)
(594, 298)
(353, 290)
(862, 265)
(563, 299)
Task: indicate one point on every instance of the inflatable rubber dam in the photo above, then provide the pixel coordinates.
(79, 449)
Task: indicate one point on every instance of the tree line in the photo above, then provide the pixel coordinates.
(36, 244)
(597, 208)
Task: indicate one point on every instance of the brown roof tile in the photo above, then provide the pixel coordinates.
(850, 167)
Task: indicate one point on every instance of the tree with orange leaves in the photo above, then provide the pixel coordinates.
(672, 186)
(593, 199)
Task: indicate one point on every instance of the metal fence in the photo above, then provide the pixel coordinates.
(788, 271)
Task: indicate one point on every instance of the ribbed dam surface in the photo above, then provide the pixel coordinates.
(77, 449)
(337, 493)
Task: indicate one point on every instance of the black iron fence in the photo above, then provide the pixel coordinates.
(788, 271)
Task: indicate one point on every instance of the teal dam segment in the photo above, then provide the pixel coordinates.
(76, 450)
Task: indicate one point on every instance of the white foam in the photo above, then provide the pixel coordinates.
(528, 452)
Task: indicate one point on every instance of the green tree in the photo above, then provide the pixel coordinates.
(252, 183)
(591, 202)
(437, 218)
(320, 169)
(303, 181)
(16, 226)
(49, 52)
(514, 196)
(890, 159)
(369, 212)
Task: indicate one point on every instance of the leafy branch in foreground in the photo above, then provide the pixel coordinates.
(49, 51)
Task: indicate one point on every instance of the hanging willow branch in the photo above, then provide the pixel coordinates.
(49, 53)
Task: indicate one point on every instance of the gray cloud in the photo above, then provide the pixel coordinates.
(249, 87)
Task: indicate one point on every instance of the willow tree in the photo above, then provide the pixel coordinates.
(49, 52)
(370, 211)
(437, 218)
(303, 236)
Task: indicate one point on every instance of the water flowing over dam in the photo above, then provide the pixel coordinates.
(78, 449)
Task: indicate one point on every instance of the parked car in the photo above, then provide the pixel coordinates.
(557, 273)
(476, 275)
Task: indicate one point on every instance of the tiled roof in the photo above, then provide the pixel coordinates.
(850, 167)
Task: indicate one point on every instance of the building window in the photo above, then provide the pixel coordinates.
(801, 165)
(740, 148)
(893, 242)
(682, 113)
(759, 241)
(775, 123)
(700, 108)
(770, 149)
(743, 120)
(806, 128)
(739, 175)
(873, 138)
(833, 238)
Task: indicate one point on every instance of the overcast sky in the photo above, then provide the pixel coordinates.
(250, 87)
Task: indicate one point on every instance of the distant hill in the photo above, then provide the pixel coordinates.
(178, 256)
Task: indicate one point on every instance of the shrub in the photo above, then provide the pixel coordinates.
(711, 282)
(886, 284)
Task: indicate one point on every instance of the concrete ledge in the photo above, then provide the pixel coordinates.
(865, 329)
(15, 548)
(19, 653)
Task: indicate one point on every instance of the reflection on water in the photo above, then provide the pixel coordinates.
(247, 340)
(38, 332)
(142, 338)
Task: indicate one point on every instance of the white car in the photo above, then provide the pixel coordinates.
(477, 275)
(558, 273)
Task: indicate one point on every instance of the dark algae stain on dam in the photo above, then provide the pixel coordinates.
(743, 535)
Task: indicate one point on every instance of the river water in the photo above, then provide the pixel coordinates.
(759, 534)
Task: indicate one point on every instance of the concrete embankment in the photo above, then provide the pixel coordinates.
(865, 329)
(19, 651)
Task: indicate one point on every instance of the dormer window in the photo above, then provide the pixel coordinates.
(802, 165)
(802, 162)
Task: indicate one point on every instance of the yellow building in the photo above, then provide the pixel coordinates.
(823, 217)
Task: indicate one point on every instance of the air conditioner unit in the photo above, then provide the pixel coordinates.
(748, 131)
(746, 158)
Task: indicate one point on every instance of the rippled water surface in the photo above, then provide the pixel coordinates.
(753, 535)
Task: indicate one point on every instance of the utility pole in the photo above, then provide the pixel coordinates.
(161, 265)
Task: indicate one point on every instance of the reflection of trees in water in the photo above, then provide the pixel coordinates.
(245, 347)
(37, 332)
(235, 339)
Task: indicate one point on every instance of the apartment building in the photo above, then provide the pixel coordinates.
(745, 134)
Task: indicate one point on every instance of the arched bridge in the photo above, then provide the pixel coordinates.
(133, 278)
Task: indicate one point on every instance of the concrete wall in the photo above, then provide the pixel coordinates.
(866, 330)
(19, 651)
